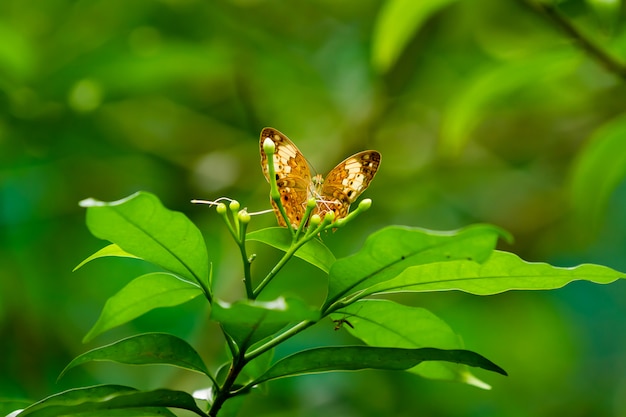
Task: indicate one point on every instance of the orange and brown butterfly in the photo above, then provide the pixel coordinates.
(341, 187)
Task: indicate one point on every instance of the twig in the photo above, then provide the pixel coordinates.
(610, 62)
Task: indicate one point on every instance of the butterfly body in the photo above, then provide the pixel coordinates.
(341, 187)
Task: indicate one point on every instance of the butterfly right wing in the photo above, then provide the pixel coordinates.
(345, 183)
(293, 176)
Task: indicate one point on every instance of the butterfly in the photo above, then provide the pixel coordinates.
(341, 187)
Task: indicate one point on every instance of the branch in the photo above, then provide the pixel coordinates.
(610, 62)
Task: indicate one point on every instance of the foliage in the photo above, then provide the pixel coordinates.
(396, 337)
(486, 111)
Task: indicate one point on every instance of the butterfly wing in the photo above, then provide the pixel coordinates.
(345, 183)
(293, 176)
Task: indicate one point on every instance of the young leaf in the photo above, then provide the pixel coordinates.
(354, 358)
(384, 323)
(471, 104)
(599, 170)
(391, 250)
(149, 348)
(397, 23)
(140, 225)
(144, 293)
(502, 272)
(249, 321)
(101, 399)
(110, 250)
(313, 252)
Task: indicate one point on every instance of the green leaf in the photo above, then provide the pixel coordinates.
(396, 24)
(18, 55)
(600, 168)
(469, 106)
(313, 252)
(249, 321)
(391, 250)
(384, 323)
(354, 358)
(174, 61)
(105, 412)
(103, 399)
(144, 293)
(110, 250)
(9, 405)
(140, 225)
(149, 348)
(502, 272)
(608, 14)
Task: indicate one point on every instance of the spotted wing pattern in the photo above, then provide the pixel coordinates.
(342, 186)
(293, 176)
(345, 183)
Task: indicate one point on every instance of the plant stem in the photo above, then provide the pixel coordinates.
(247, 276)
(224, 392)
(283, 261)
(590, 47)
(275, 194)
(279, 339)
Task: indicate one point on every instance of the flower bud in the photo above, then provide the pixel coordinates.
(244, 216)
(268, 146)
(365, 204)
(221, 208)
(315, 220)
(234, 205)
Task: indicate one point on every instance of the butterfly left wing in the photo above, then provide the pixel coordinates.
(345, 183)
(293, 176)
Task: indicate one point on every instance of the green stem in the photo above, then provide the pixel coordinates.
(278, 339)
(229, 226)
(310, 206)
(333, 306)
(283, 261)
(295, 245)
(275, 194)
(247, 274)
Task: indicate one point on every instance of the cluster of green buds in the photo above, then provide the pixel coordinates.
(236, 219)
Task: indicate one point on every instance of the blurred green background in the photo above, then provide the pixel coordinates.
(484, 111)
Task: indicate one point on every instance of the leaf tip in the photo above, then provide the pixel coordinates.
(470, 379)
(89, 336)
